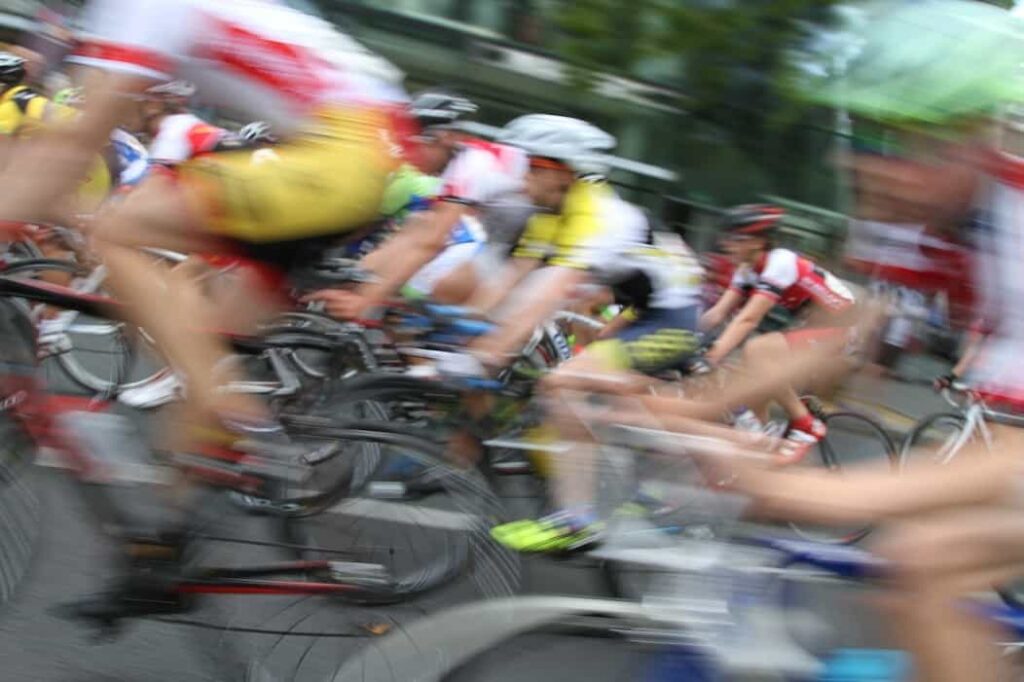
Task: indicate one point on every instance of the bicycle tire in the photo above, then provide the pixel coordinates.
(921, 436)
(303, 638)
(116, 343)
(19, 507)
(395, 398)
(465, 501)
(828, 453)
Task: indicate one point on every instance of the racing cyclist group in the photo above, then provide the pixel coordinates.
(517, 229)
(514, 227)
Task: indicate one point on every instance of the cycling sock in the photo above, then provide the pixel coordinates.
(807, 424)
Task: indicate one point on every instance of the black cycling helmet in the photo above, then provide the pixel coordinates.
(12, 69)
(441, 108)
(754, 220)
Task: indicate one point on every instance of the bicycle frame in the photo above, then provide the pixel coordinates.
(976, 414)
(40, 415)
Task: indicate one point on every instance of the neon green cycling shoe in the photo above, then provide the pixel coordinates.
(559, 532)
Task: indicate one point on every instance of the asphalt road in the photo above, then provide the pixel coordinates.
(71, 559)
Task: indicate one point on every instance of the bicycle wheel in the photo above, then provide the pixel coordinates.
(100, 356)
(418, 545)
(414, 557)
(852, 439)
(398, 398)
(936, 438)
(19, 508)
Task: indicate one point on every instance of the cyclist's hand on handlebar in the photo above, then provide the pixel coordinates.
(340, 304)
(948, 381)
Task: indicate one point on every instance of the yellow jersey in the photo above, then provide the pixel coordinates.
(23, 111)
(612, 239)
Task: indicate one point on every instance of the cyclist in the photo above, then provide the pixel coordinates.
(587, 235)
(767, 276)
(949, 69)
(473, 173)
(176, 134)
(323, 93)
(20, 105)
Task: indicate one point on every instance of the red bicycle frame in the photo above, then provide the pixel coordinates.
(38, 413)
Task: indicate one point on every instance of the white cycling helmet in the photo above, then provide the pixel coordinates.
(578, 144)
(257, 131)
(173, 89)
(441, 108)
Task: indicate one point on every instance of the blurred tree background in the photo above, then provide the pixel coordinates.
(736, 64)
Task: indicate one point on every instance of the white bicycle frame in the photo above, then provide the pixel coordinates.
(976, 416)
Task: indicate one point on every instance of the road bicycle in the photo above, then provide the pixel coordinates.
(320, 539)
(943, 435)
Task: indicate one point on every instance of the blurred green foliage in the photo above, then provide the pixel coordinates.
(736, 65)
(729, 59)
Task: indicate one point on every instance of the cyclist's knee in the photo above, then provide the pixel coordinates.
(765, 347)
(573, 374)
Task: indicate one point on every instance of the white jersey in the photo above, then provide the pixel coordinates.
(255, 58)
(132, 158)
(484, 171)
(630, 249)
(182, 137)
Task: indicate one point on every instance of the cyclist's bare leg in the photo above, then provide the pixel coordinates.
(157, 215)
(935, 562)
(745, 389)
(871, 494)
(767, 351)
(574, 470)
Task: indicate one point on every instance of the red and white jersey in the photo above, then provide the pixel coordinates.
(483, 171)
(182, 137)
(256, 58)
(793, 281)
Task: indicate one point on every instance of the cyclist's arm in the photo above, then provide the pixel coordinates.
(971, 350)
(401, 257)
(491, 294)
(534, 308)
(740, 327)
(718, 313)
